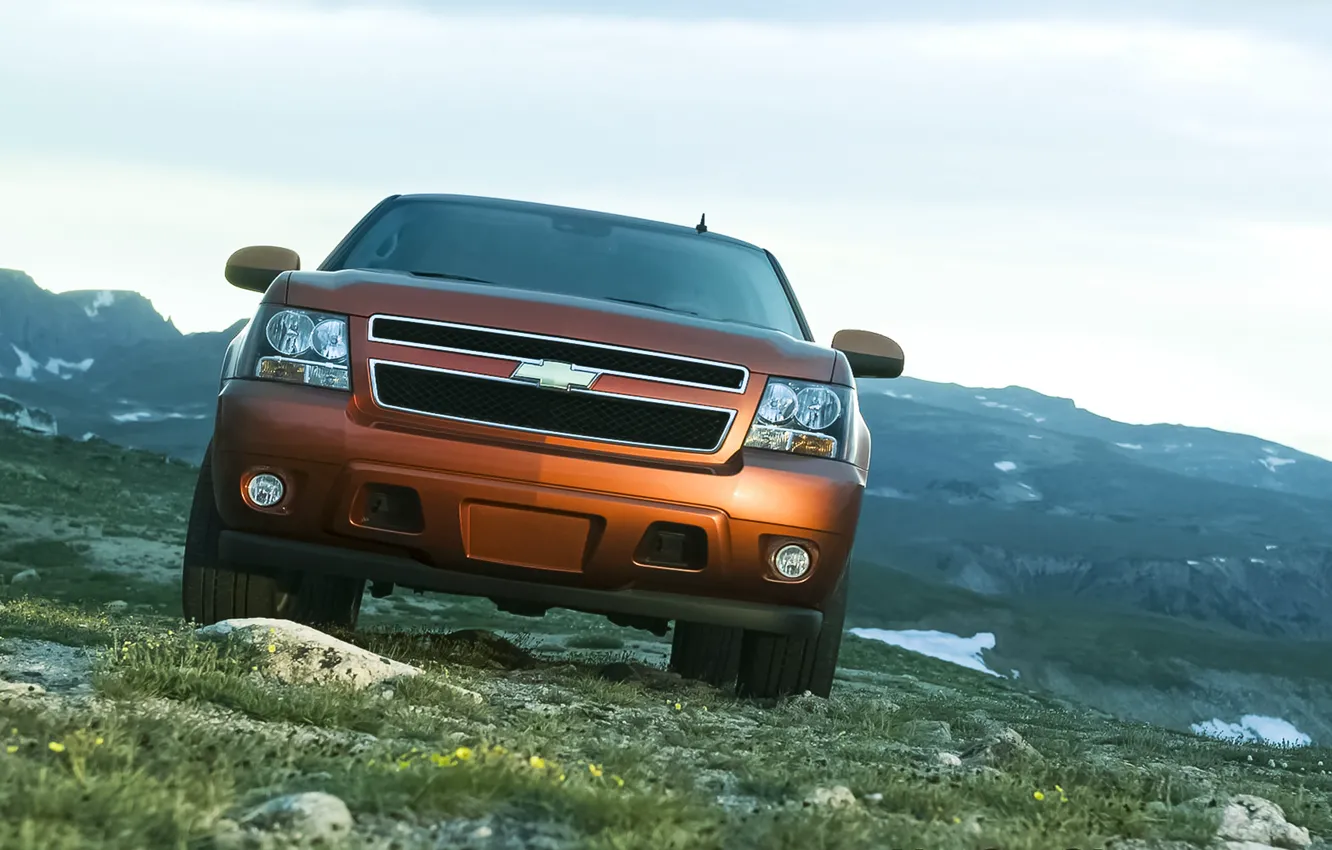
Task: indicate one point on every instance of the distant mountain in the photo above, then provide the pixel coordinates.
(1039, 499)
(106, 363)
(1005, 492)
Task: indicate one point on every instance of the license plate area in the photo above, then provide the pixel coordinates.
(526, 537)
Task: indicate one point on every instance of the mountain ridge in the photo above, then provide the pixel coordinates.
(1005, 491)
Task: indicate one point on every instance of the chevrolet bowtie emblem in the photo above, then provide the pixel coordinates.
(554, 375)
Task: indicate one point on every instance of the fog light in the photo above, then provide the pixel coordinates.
(265, 490)
(792, 561)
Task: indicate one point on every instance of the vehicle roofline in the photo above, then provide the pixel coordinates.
(536, 206)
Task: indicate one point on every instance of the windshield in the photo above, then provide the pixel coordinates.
(582, 254)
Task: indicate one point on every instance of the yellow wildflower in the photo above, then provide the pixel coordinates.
(11, 749)
(1039, 795)
(463, 753)
(594, 770)
(272, 648)
(99, 741)
(618, 781)
(538, 762)
(56, 747)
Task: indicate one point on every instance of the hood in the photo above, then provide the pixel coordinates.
(363, 293)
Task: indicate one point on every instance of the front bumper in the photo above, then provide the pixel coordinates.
(596, 510)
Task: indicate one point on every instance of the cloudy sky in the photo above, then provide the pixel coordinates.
(1125, 203)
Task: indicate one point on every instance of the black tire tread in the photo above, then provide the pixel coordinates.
(705, 652)
(773, 666)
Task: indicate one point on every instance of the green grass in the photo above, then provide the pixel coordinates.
(165, 773)
(187, 733)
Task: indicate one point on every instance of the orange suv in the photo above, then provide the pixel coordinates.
(546, 407)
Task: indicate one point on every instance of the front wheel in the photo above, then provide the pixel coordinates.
(776, 665)
(211, 591)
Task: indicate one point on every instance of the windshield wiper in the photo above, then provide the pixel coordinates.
(448, 276)
(650, 304)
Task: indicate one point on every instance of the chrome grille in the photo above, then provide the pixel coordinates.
(608, 359)
(604, 417)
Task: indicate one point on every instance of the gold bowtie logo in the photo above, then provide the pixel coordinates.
(554, 375)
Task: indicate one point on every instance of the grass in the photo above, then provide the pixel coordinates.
(191, 731)
(184, 735)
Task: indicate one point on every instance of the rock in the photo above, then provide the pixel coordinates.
(301, 654)
(927, 733)
(53, 666)
(118, 606)
(23, 576)
(16, 690)
(837, 797)
(948, 759)
(1247, 818)
(1000, 746)
(311, 819)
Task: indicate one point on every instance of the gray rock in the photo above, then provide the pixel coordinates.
(24, 576)
(118, 606)
(836, 797)
(17, 690)
(312, 819)
(1256, 821)
(295, 653)
(1000, 746)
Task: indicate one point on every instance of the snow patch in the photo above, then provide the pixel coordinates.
(1254, 728)
(27, 418)
(1272, 461)
(86, 437)
(55, 364)
(1194, 563)
(886, 493)
(1257, 561)
(1035, 437)
(150, 416)
(1134, 446)
(965, 652)
(27, 365)
(102, 299)
(1005, 465)
(1270, 546)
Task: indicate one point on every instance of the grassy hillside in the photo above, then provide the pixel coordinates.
(141, 734)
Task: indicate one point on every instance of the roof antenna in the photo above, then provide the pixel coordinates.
(702, 226)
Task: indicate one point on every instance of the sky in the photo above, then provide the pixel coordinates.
(1124, 203)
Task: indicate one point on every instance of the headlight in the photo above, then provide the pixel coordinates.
(801, 417)
(299, 347)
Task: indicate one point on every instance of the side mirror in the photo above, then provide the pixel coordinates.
(871, 355)
(255, 267)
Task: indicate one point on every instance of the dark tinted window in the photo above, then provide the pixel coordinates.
(578, 254)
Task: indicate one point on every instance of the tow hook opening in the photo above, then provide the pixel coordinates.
(669, 544)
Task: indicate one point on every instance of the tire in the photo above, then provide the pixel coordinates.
(211, 591)
(774, 666)
(705, 652)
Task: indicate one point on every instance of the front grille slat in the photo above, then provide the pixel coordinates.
(640, 364)
(585, 415)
